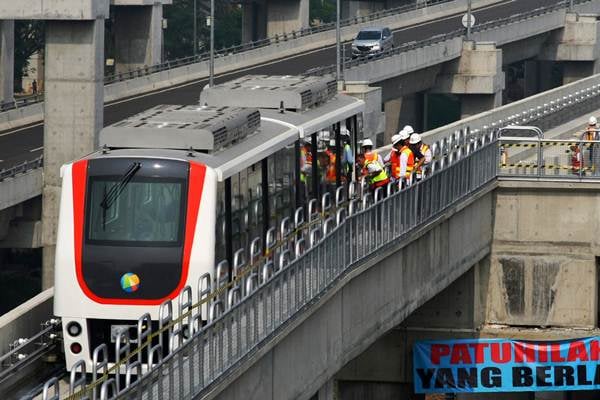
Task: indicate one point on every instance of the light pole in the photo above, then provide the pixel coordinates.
(338, 40)
(469, 20)
(211, 68)
(195, 40)
(570, 5)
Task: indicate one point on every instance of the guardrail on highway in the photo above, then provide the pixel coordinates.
(21, 168)
(20, 102)
(284, 37)
(500, 22)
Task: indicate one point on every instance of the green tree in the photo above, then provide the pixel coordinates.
(179, 32)
(29, 39)
(322, 10)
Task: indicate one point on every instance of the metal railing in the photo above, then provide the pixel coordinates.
(16, 103)
(283, 37)
(556, 159)
(304, 260)
(284, 267)
(500, 22)
(24, 351)
(25, 166)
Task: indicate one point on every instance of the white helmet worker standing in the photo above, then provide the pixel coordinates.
(591, 132)
(370, 155)
(422, 152)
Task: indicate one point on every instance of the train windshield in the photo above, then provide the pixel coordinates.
(146, 210)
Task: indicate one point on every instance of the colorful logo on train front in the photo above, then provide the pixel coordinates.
(130, 282)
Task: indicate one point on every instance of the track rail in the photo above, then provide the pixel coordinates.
(25, 351)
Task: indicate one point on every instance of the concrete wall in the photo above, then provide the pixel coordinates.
(544, 268)
(364, 306)
(24, 321)
(20, 188)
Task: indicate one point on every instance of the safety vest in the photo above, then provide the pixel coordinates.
(423, 150)
(410, 164)
(306, 157)
(331, 175)
(369, 158)
(395, 164)
(590, 133)
(381, 178)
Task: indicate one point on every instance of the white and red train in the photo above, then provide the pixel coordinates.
(173, 191)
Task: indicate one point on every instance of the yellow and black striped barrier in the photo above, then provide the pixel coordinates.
(530, 145)
(558, 167)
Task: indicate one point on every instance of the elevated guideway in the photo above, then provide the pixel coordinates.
(292, 322)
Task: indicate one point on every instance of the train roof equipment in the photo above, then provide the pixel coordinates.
(286, 92)
(241, 124)
(198, 128)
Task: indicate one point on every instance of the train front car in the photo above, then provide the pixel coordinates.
(136, 225)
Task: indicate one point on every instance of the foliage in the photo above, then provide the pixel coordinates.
(322, 10)
(179, 32)
(29, 39)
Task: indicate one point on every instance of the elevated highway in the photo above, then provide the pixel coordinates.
(25, 143)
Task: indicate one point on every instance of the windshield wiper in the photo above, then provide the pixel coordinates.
(115, 191)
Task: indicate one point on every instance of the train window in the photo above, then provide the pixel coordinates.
(144, 211)
(246, 209)
(281, 184)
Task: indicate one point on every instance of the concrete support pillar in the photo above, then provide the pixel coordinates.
(7, 60)
(373, 121)
(328, 391)
(284, 16)
(477, 77)
(531, 80)
(577, 46)
(359, 8)
(576, 70)
(74, 100)
(473, 104)
(392, 109)
(406, 110)
(254, 21)
(545, 75)
(138, 36)
(267, 18)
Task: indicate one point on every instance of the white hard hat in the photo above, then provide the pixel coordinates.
(403, 135)
(395, 138)
(332, 142)
(367, 142)
(415, 138)
(593, 120)
(373, 167)
(408, 129)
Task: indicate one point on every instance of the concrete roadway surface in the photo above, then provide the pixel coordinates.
(26, 143)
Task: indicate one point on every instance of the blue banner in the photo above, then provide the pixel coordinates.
(499, 365)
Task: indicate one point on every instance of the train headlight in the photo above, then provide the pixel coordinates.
(74, 329)
(75, 348)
